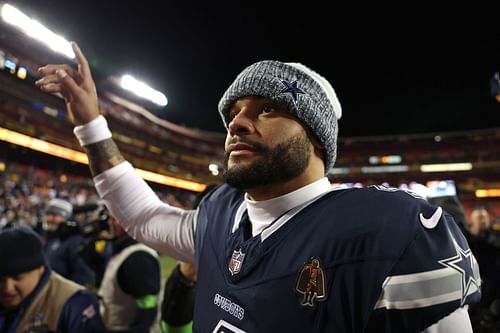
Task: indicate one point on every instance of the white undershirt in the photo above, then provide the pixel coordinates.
(263, 213)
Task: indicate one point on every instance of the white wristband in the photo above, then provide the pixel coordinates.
(94, 131)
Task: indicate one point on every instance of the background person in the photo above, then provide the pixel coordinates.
(33, 298)
(485, 244)
(479, 221)
(63, 243)
(131, 284)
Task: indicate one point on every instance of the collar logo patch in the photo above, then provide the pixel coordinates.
(292, 89)
(236, 262)
(311, 284)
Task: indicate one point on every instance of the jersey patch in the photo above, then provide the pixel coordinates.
(236, 262)
(311, 284)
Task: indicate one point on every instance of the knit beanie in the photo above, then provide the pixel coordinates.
(305, 94)
(20, 251)
(60, 207)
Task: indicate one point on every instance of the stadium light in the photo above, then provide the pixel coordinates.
(141, 89)
(488, 193)
(57, 43)
(446, 167)
(36, 30)
(214, 169)
(387, 159)
(384, 168)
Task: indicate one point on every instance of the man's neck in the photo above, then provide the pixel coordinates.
(270, 191)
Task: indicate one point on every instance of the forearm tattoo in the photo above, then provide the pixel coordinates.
(103, 155)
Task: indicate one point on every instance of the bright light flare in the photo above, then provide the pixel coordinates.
(488, 193)
(141, 89)
(446, 167)
(214, 169)
(36, 30)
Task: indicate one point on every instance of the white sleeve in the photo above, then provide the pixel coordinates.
(457, 322)
(167, 229)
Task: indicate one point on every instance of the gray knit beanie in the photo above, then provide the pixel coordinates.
(60, 207)
(305, 93)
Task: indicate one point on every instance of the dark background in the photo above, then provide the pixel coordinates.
(395, 70)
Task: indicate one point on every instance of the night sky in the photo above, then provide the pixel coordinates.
(393, 73)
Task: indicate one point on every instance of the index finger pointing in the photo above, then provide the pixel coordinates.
(81, 60)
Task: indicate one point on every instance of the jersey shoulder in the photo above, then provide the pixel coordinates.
(378, 209)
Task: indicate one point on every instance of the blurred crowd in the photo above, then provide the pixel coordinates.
(484, 240)
(75, 246)
(26, 190)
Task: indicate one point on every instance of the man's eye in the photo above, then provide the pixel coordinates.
(231, 116)
(267, 108)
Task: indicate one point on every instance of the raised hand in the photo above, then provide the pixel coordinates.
(77, 87)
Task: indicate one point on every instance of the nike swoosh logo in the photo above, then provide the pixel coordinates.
(431, 222)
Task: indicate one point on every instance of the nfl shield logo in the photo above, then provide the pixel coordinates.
(236, 262)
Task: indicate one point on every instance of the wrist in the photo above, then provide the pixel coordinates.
(183, 279)
(94, 131)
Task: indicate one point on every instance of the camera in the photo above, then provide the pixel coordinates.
(98, 216)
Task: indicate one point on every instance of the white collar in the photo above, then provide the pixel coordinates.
(263, 213)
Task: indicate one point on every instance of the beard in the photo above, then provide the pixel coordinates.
(276, 164)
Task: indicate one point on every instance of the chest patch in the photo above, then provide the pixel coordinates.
(311, 284)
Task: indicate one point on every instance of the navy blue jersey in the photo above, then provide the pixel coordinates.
(356, 260)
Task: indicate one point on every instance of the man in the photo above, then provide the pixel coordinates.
(390, 262)
(485, 245)
(64, 242)
(479, 221)
(130, 286)
(35, 299)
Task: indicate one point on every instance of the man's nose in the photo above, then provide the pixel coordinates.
(6, 284)
(241, 124)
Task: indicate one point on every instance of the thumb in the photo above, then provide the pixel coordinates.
(68, 83)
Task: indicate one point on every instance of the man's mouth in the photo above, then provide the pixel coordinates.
(241, 149)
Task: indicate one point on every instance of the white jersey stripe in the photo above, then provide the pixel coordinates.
(423, 302)
(423, 289)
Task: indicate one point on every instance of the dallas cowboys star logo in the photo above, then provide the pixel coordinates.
(292, 89)
(463, 263)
